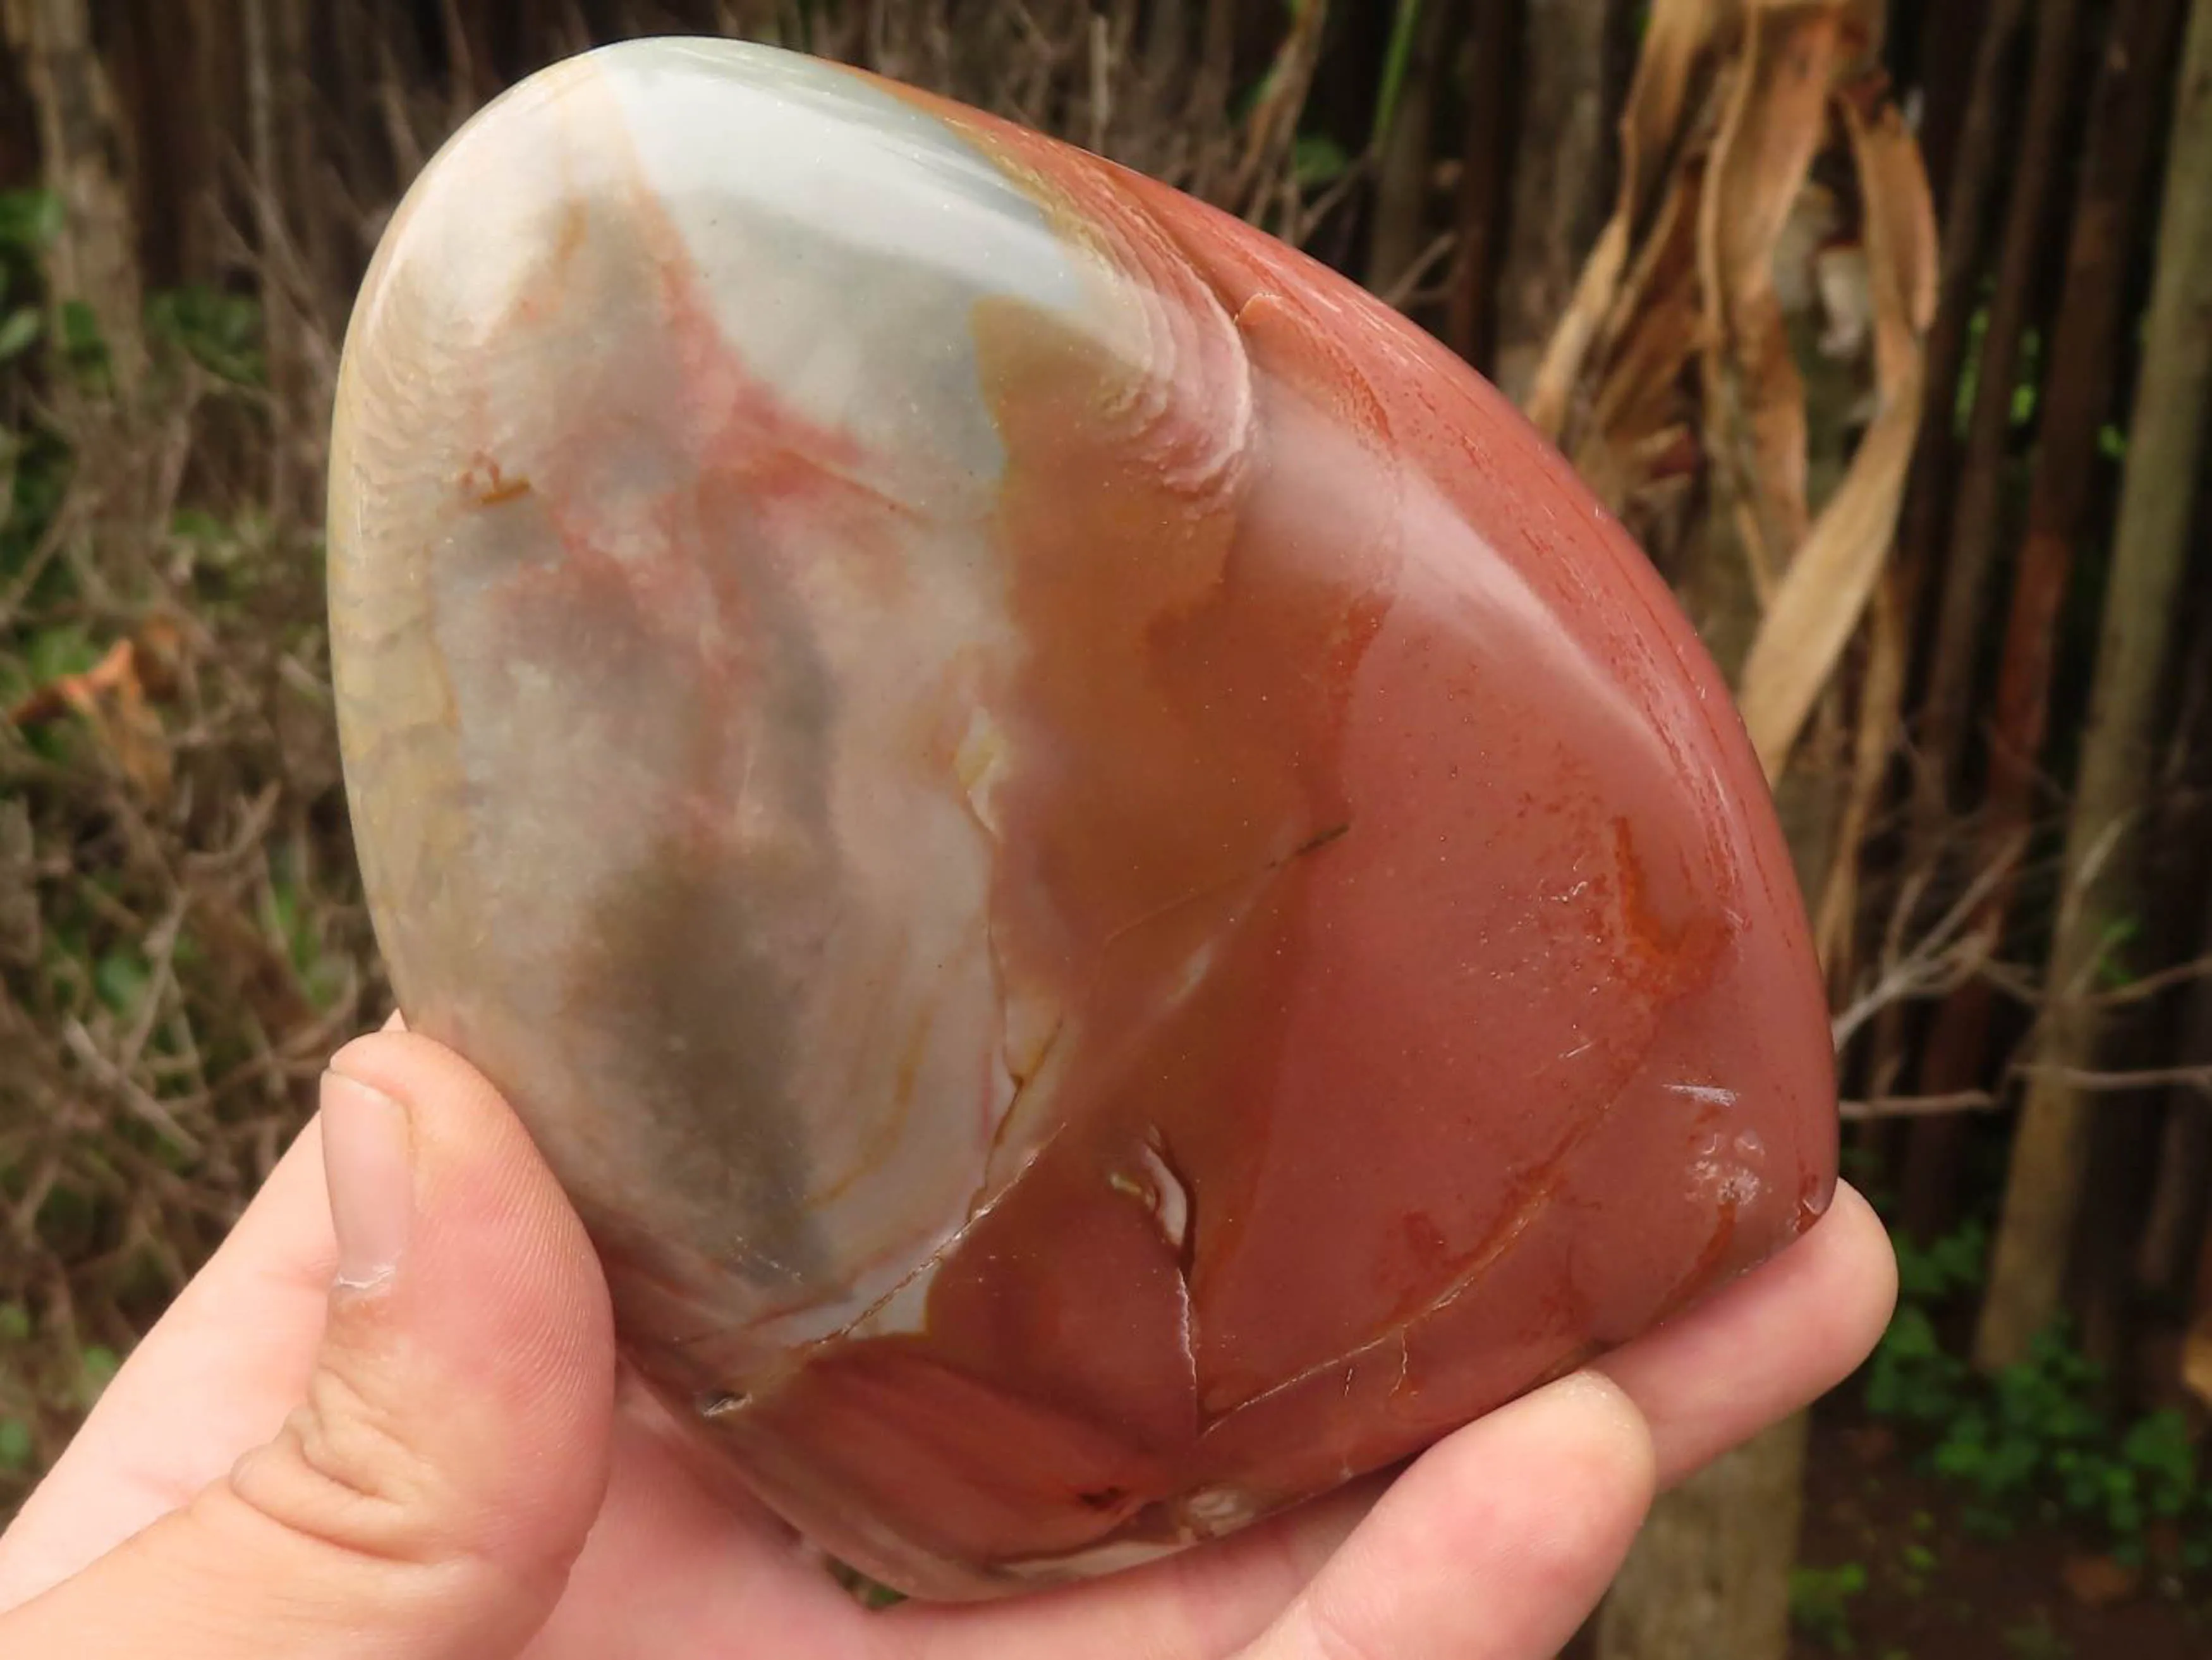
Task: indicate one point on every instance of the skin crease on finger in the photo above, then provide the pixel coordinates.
(211, 1381)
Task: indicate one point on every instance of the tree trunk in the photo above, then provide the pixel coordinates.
(1486, 180)
(1972, 194)
(1709, 1577)
(1560, 192)
(1949, 32)
(2181, 1203)
(1399, 233)
(2150, 551)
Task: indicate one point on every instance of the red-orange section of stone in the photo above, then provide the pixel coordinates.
(1509, 1043)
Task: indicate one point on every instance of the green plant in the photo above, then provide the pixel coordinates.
(1821, 1602)
(2037, 1428)
(1318, 161)
(1917, 1565)
(2036, 1640)
(2039, 1440)
(1397, 58)
(1913, 1377)
(16, 1441)
(221, 332)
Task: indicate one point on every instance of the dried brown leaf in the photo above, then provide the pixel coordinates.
(1681, 42)
(2196, 1361)
(1678, 41)
(2100, 1581)
(1774, 125)
(1640, 407)
(110, 700)
(1820, 601)
(1657, 329)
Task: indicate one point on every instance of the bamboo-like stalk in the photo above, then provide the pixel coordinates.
(1951, 30)
(1559, 149)
(2177, 1249)
(1958, 1045)
(1471, 325)
(1715, 1560)
(2074, 399)
(1973, 193)
(1399, 229)
(2181, 1203)
(2149, 557)
(1978, 515)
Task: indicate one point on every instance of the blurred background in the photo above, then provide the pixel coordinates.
(1888, 331)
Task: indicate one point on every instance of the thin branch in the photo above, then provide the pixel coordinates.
(2091, 1081)
(1919, 1106)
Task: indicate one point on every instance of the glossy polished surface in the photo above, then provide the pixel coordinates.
(1116, 898)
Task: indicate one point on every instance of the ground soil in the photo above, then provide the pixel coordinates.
(2044, 1594)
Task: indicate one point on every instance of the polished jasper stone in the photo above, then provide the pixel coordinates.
(1116, 898)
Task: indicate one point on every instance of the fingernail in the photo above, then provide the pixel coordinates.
(365, 1164)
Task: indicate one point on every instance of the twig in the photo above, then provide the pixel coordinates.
(1919, 1106)
(2151, 985)
(1938, 964)
(1409, 284)
(127, 1089)
(2094, 1082)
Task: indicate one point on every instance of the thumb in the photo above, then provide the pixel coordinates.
(428, 1496)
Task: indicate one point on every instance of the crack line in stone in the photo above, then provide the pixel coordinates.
(1545, 1178)
(937, 1256)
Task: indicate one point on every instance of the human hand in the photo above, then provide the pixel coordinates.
(441, 1457)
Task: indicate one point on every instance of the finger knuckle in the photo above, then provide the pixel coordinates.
(343, 1471)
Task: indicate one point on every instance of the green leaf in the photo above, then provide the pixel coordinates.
(30, 220)
(81, 336)
(1318, 161)
(97, 1367)
(121, 978)
(1395, 61)
(1820, 1602)
(222, 332)
(197, 525)
(63, 649)
(15, 1323)
(15, 1443)
(18, 332)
